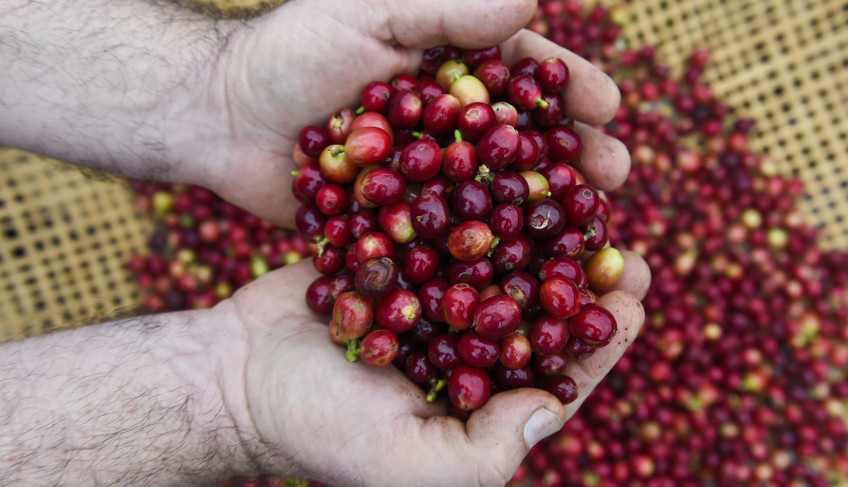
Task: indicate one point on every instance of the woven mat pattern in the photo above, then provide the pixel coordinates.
(65, 236)
(783, 63)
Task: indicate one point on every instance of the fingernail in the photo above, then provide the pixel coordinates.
(542, 424)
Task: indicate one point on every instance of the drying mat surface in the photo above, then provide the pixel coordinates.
(784, 63)
(65, 238)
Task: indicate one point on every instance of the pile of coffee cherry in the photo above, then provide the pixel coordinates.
(454, 237)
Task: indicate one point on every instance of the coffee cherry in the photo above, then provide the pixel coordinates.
(379, 348)
(497, 317)
(470, 240)
(375, 277)
(593, 325)
(459, 303)
(560, 297)
(563, 388)
(469, 387)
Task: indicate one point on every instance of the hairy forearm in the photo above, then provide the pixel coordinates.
(106, 83)
(136, 402)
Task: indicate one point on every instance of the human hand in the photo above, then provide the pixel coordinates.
(305, 411)
(300, 63)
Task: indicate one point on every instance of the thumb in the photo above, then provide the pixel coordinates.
(489, 447)
(428, 23)
(508, 425)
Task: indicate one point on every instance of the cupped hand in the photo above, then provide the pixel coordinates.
(305, 411)
(306, 60)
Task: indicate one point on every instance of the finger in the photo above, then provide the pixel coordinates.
(629, 316)
(636, 278)
(605, 161)
(429, 23)
(590, 96)
(489, 447)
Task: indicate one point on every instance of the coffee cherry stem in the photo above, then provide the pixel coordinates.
(457, 135)
(495, 242)
(353, 349)
(360, 110)
(484, 174)
(436, 385)
(542, 103)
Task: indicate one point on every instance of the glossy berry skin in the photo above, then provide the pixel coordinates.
(512, 255)
(478, 273)
(308, 181)
(561, 266)
(474, 57)
(375, 96)
(522, 287)
(561, 178)
(337, 231)
(405, 110)
(497, 317)
(543, 218)
(430, 215)
(383, 186)
(515, 351)
(596, 234)
(509, 187)
(309, 222)
(430, 293)
(551, 110)
(420, 264)
(560, 297)
(475, 120)
(318, 296)
(563, 388)
(524, 92)
(441, 114)
(498, 147)
(513, 378)
(548, 335)
(578, 350)
(593, 325)
(352, 316)
(458, 304)
(470, 240)
(338, 125)
(398, 311)
(525, 66)
(469, 387)
(494, 75)
(472, 200)
(478, 351)
(549, 365)
(460, 161)
(563, 144)
(312, 140)
(379, 348)
(580, 204)
(443, 351)
(419, 369)
(570, 243)
(553, 74)
(421, 160)
(367, 146)
(329, 260)
(506, 221)
(374, 244)
(529, 153)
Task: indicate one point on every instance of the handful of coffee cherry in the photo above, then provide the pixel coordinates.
(454, 237)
